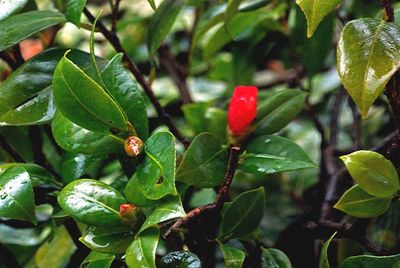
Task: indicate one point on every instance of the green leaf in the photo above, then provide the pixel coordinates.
(18, 137)
(230, 12)
(273, 258)
(368, 54)
(24, 237)
(315, 11)
(37, 174)
(112, 240)
(152, 4)
(156, 175)
(16, 28)
(75, 165)
(142, 251)
(83, 101)
(97, 260)
(124, 90)
(358, 203)
(323, 260)
(92, 202)
(204, 162)
(244, 214)
(373, 172)
(8, 7)
(371, 261)
(168, 208)
(181, 259)
(26, 96)
(233, 257)
(74, 11)
(278, 109)
(16, 195)
(161, 23)
(270, 154)
(74, 138)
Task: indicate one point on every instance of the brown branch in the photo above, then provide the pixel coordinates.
(387, 5)
(115, 12)
(178, 76)
(115, 42)
(221, 197)
(357, 125)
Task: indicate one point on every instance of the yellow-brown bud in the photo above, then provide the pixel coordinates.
(133, 146)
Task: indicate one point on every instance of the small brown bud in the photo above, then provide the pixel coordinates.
(133, 146)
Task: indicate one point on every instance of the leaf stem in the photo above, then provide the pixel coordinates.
(115, 42)
(387, 5)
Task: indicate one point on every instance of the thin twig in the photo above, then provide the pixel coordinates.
(115, 12)
(115, 42)
(221, 197)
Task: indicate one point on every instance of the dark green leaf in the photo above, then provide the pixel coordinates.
(9, 7)
(18, 27)
(74, 138)
(204, 162)
(112, 240)
(373, 172)
(92, 202)
(244, 214)
(162, 22)
(75, 165)
(97, 260)
(83, 101)
(274, 258)
(358, 203)
(315, 11)
(233, 257)
(124, 90)
(74, 11)
(270, 154)
(230, 12)
(323, 260)
(16, 195)
(152, 4)
(180, 259)
(156, 175)
(278, 109)
(142, 251)
(368, 54)
(26, 97)
(366, 261)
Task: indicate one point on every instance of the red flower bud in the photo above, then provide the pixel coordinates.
(242, 109)
(129, 214)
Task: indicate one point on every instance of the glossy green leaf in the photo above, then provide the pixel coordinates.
(9, 7)
(181, 259)
(244, 214)
(233, 257)
(358, 203)
(168, 208)
(368, 54)
(323, 260)
(74, 138)
(315, 11)
(37, 174)
(75, 165)
(26, 96)
(373, 172)
(371, 261)
(270, 154)
(16, 195)
(97, 260)
(278, 109)
(273, 258)
(124, 90)
(253, 5)
(16, 28)
(74, 11)
(112, 240)
(92, 202)
(23, 236)
(161, 23)
(142, 251)
(204, 162)
(152, 4)
(156, 175)
(83, 101)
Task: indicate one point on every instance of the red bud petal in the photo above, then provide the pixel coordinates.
(242, 109)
